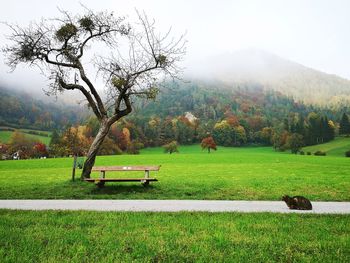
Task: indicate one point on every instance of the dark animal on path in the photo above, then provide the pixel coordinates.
(297, 202)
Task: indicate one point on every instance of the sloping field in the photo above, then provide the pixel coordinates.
(6, 135)
(337, 147)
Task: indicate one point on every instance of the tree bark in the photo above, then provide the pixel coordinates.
(95, 146)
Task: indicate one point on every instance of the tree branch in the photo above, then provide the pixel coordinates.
(61, 64)
(91, 101)
(92, 89)
(121, 113)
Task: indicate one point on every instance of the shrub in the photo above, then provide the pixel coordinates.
(302, 153)
(320, 153)
(171, 147)
(308, 153)
(37, 133)
(347, 153)
(6, 129)
(109, 147)
(134, 147)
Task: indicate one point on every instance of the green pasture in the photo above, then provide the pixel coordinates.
(57, 236)
(228, 174)
(337, 147)
(6, 135)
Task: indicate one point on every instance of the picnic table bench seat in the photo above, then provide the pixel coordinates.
(103, 169)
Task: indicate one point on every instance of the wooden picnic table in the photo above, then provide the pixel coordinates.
(100, 182)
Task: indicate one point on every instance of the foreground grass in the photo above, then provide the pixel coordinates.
(27, 236)
(228, 174)
(337, 147)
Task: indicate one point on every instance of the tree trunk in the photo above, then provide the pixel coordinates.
(95, 146)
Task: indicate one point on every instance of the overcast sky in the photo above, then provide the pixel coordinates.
(314, 33)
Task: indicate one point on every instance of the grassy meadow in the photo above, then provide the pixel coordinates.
(58, 236)
(250, 173)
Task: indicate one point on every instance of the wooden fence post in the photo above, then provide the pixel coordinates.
(74, 166)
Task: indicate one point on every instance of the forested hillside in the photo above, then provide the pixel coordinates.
(210, 101)
(184, 113)
(188, 112)
(21, 110)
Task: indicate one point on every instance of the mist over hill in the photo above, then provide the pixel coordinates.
(270, 71)
(20, 109)
(273, 85)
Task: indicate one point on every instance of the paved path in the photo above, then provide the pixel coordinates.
(173, 206)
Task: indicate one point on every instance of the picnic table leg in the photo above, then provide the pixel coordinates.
(146, 182)
(101, 184)
(146, 174)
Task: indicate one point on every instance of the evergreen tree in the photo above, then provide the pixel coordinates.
(313, 128)
(299, 127)
(323, 129)
(295, 142)
(55, 138)
(286, 124)
(344, 127)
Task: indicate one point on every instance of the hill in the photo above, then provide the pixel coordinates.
(273, 72)
(19, 109)
(337, 147)
(211, 101)
(248, 82)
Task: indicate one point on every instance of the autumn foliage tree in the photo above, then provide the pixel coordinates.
(21, 144)
(39, 150)
(74, 142)
(139, 56)
(208, 143)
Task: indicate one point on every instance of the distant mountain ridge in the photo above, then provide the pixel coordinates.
(273, 72)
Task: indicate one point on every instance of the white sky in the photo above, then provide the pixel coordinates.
(314, 33)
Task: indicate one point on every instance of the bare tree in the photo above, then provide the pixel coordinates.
(139, 57)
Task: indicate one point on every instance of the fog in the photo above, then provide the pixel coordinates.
(313, 33)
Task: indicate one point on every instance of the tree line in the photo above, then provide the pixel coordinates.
(247, 117)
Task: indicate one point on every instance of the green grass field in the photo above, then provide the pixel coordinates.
(228, 174)
(337, 147)
(6, 135)
(27, 236)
